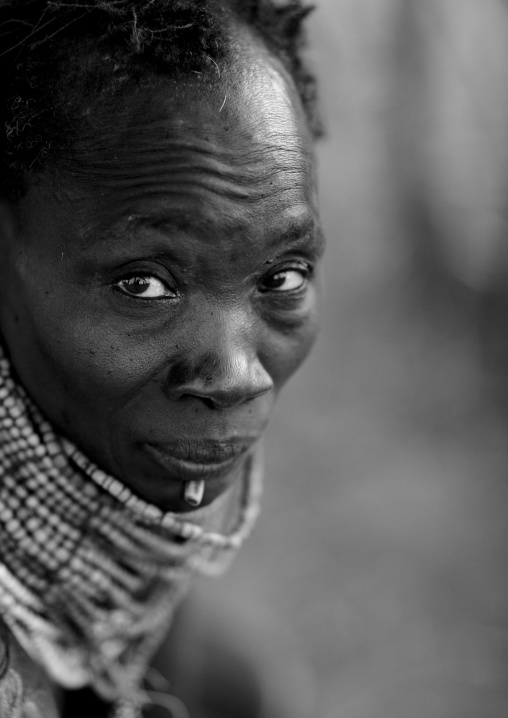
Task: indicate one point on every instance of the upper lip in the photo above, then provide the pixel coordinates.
(205, 452)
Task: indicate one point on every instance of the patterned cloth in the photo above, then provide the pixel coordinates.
(90, 574)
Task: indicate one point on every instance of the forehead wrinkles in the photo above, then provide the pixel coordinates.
(183, 136)
(151, 166)
(180, 142)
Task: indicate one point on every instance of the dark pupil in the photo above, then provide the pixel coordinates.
(276, 280)
(137, 285)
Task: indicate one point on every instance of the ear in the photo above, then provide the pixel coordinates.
(9, 228)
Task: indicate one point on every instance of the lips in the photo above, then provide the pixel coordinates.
(188, 460)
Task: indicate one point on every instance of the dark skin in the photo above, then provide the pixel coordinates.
(156, 294)
(155, 298)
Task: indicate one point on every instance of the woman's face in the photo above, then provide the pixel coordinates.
(157, 295)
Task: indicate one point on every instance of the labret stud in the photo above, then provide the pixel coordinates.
(193, 492)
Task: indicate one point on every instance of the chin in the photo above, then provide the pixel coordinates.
(168, 492)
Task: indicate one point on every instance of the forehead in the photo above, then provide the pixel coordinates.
(220, 149)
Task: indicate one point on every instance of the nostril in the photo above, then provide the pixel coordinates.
(225, 399)
(208, 402)
(220, 382)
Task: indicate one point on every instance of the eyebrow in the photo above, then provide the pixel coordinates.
(295, 231)
(299, 233)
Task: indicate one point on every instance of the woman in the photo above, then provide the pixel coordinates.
(158, 247)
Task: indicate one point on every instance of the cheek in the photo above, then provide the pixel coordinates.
(69, 357)
(288, 348)
(96, 361)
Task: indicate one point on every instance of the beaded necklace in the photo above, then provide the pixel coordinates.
(90, 574)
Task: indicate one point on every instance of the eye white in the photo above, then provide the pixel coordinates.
(144, 287)
(287, 280)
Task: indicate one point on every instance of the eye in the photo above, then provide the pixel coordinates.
(286, 280)
(144, 286)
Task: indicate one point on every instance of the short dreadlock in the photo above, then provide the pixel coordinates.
(118, 40)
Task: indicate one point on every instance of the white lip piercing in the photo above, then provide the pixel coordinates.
(193, 492)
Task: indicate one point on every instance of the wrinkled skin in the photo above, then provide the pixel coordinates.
(156, 297)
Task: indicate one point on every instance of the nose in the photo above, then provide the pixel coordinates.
(225, 369)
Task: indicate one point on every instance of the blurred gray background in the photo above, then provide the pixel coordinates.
(383, 544)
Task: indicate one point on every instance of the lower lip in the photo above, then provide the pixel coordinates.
(184, 470)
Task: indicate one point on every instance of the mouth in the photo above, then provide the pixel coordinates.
(199, 460)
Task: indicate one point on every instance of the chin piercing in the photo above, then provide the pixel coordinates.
(193, 492)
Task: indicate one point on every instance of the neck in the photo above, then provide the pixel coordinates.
(89, 583)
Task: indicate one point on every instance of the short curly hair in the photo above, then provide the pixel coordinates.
(56, 53)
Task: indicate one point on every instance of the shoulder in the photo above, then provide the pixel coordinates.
(25, 691)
